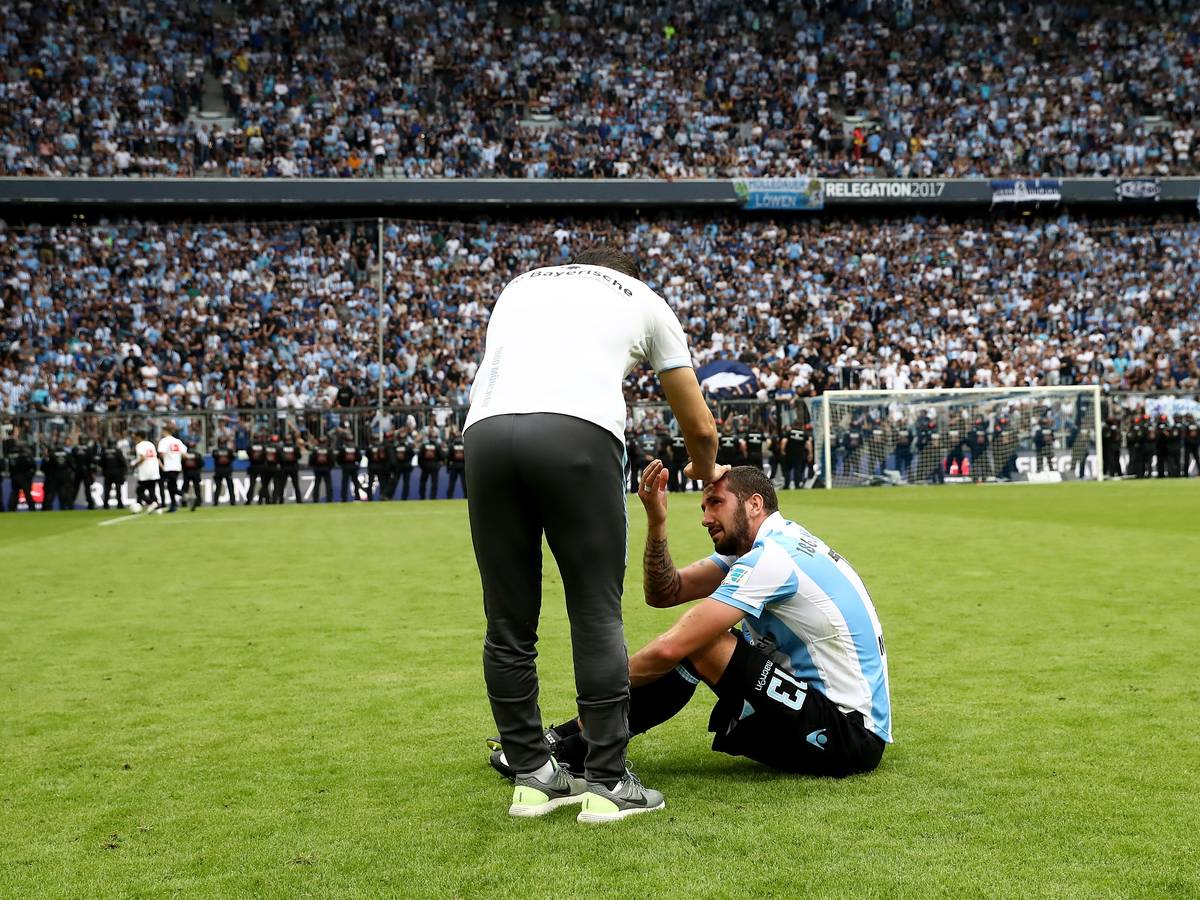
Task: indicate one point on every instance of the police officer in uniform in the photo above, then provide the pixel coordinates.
(1162, 439)
(728, 447)
(257, 454)
(430, 454)
(456, 463)
(402, 474)
(877, 441)
(320, 460)
(114, 467)
(902, 451)
(270, 471)
(956, 441)
(852, 446)
(633, 459)
(1134, 439)
(1191, 445)
(978, 439)
(1111, 435)
(21, 466)
(1043, 443)
(58, 477)
(1004, 447)
(1149, 441)
(793, 457)
(378, 466)
(84, 458)
(1173, 446)
(223, 457)
(929, 452)
(648, 447)
(348, 457)
(775, 450)
(193, 465)
(676, 481)
(289, 469)
(1080, 442)
(756, 445)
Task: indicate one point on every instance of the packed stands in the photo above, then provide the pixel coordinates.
(590, 88)
(155, 316)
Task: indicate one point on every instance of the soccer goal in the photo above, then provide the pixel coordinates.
(957, 435)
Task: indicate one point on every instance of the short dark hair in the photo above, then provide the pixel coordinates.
(609, 257)
(744, 481)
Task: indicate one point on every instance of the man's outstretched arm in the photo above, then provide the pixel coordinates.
(663, 584)
(706, 625)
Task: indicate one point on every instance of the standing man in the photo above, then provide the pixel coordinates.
(545, 455)
(114, 467)
(21, 466)
(756, 443)
(58, 477)
(147, 470)
(405, 451)
(1191, 445)
(320, 460)
(456, 464)
(902, 451)
(193, 465)
(793, 448)
(429, 458)
(269, 493)
(377, 466)
(84, 457)
(1174, 445)
(1135, 439)
(289, 467)
(1043, 442)
(256, 454)
(223, 457)
(678, 461)
(170, 454)
(349, 456)
(1112, 447)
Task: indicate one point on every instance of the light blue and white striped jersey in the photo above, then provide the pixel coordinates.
(809, 610)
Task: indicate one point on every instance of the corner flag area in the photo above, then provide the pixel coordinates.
(288, 701)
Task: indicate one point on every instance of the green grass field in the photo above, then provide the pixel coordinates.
(289, 701)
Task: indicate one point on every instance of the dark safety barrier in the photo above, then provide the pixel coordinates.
(383, 194)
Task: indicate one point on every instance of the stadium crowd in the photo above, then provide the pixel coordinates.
(169, 317)
(587, 88)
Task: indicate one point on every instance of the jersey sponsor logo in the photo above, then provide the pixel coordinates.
(818, 738)
(737, 574)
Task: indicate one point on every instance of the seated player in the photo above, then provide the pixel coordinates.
(803, 687)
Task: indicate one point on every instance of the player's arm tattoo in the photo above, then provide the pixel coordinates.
(660, 579)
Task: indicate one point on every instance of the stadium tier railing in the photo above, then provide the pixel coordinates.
(379, 196)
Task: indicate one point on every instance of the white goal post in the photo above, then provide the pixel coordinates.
(1047, 433)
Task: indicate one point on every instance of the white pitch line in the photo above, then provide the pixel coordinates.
(127, 518)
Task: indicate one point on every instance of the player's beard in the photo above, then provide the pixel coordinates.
(738, 541)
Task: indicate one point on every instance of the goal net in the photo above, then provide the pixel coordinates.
(963, 435)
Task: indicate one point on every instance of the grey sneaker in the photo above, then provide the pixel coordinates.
(629, 798)
(533, 797)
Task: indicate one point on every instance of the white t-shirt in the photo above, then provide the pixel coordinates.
(146, 468)
(562, 339)
(170, 451)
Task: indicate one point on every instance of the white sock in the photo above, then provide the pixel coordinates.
(542, 774)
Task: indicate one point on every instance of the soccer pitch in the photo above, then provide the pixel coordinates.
(289, 701)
